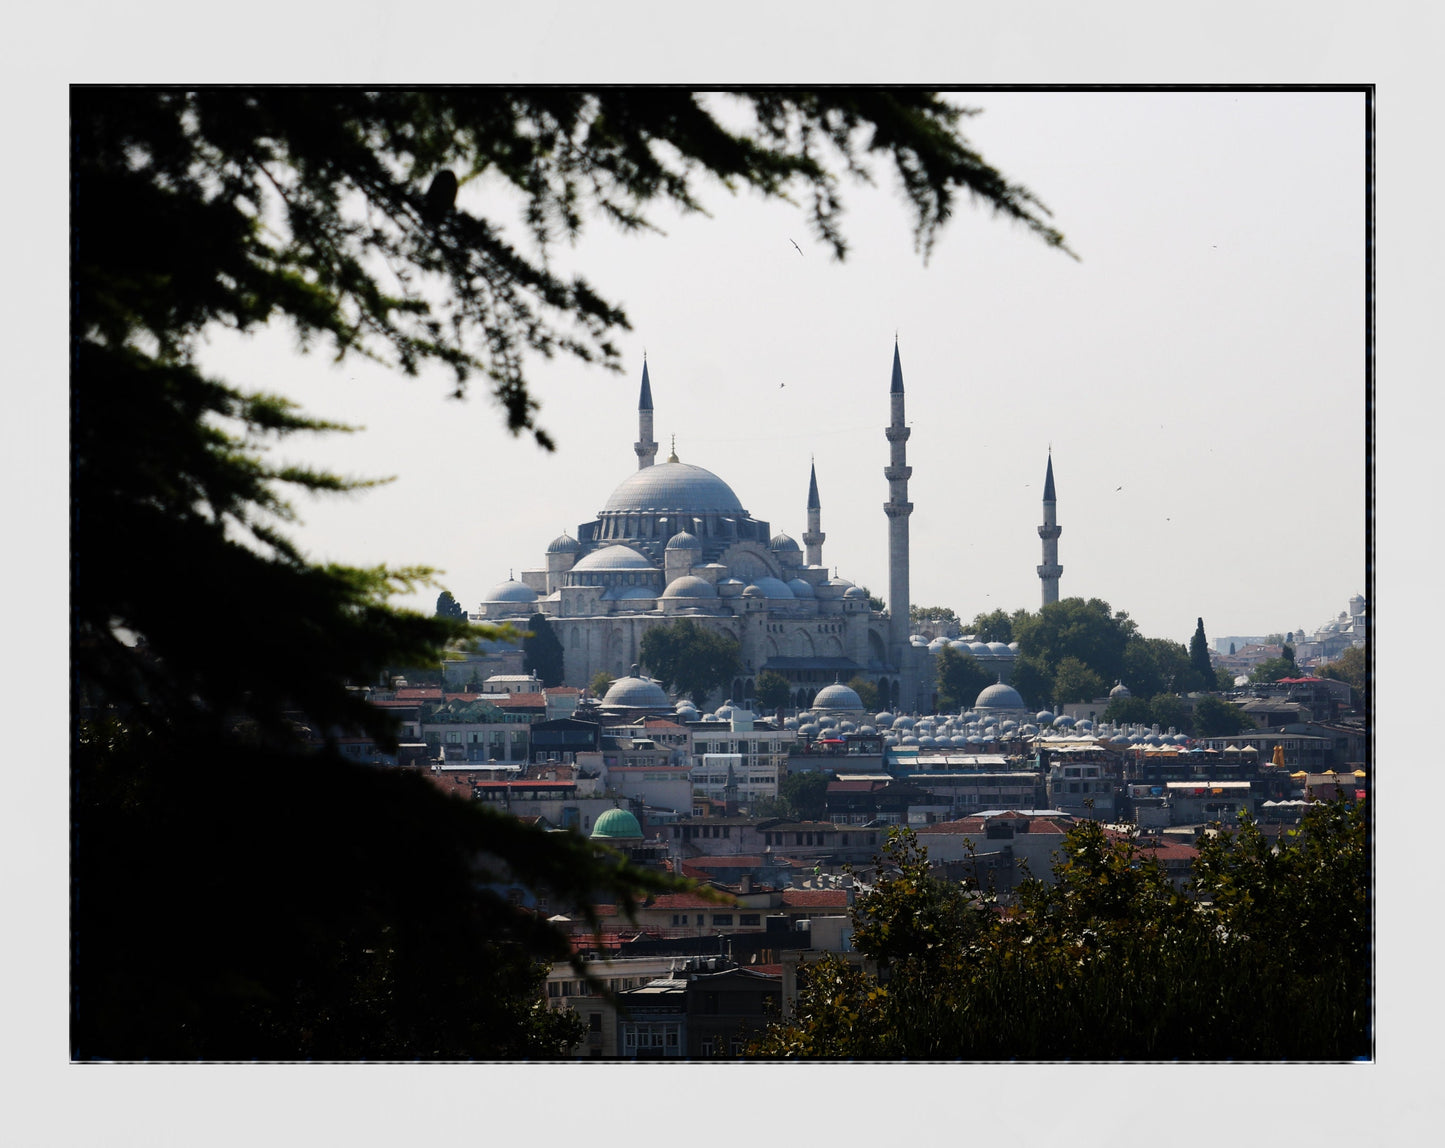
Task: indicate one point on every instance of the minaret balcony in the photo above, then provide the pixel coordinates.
(898, 434)
(1049, 533)
(897, 473)
(898, 509)
(1050, 571)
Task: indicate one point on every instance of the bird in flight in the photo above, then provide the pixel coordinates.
(794, 242)
(1117, 489)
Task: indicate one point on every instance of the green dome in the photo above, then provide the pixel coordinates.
(616, 825)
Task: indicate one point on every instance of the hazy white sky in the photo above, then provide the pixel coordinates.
(1206, 355)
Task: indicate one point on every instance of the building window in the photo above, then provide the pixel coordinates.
(594, 1022)
(750, 919)
(722, 918)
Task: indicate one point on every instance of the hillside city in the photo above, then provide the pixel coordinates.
(781, 817)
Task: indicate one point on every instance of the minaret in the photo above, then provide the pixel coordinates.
(813, 537)
(644, 446)
(1050, 570)
(898, 508)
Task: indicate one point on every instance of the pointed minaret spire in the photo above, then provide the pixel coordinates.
(645, 447)
(1050, 569)
(673, 456)
(813, 537)
(898, 508)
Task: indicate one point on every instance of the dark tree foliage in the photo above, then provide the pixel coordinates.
(542, 651)
(1271, 959)
(1129, 711)
(804, 796)
(689, 659)
(345, 215)
(1156, 665)
(1199, 661)
(1215, 717)
(960, 679)
(1272, 669)
(1076, 682)
(867, 691)
(1352, 666)
(1074, 628)
(994, 626)
(449, 607)
(772, 690)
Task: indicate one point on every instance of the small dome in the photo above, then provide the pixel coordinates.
(979, 649)
(1044, 717)
(510, 591)
(613, 558)
(1063, 721)
(837, 697)
(801, 588)
(690, 586)
(782, 543)
(682, 540)
(773, 588)
(1120, 690)
(999, 697)
(617, 825)
(752, 591)
(855, 592)
(565, 544)
(635, 692)
(999, 650)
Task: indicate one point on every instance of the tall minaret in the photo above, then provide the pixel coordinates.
(644, 446)
(898, 508)
(813, 537)
(1050, 570)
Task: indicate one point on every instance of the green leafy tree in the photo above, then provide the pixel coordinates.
(1033, 681)
(1353, 667)
(875, 603)
(449, 607)
(1168, 710)
(960, 679)
(690, 659)
(1215, 717)
(1129, 711)
(1199, 661)
(1272, 669)
(1075, 682)
(867, 691)
(938, 619)
(601, 682)
(772, 690)
(542, 651)
(1155, 665)
(804, 796)
(994, 626)
(1110, 960)
(348, 216)
(1087, 631)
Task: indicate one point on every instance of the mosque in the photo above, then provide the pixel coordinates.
(673, 541)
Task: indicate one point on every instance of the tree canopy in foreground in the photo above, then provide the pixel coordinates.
(1267, 958)
(202, 638)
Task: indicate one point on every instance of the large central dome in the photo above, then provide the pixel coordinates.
(674, 486)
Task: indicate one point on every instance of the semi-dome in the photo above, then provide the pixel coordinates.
(999, 697)
(564, 544)
(690, 586)
(837, 697)
(783, 543)
(612, 558)
(510, 591)
(674, 486)
(617, 825)
(682, 540)
(636, 693)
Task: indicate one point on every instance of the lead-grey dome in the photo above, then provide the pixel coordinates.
(837, 697)
(783, 542)
(682, 540)
(510, 591)
(613, 558)
(772, 587)
(635, 692)
(690, 586)
(677, 486)
(999, 697)
(565, 544)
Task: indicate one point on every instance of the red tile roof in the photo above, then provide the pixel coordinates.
(687, 901)
(519, 701)
(728, 862)
(816, 898)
